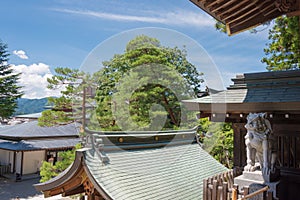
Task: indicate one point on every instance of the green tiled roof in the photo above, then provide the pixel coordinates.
(171, 172)
(172, 166)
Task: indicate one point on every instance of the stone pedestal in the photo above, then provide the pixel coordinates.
(248, 178)
(255, 179)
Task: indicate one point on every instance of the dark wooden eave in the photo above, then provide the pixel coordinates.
(240, 15)
(74, 180)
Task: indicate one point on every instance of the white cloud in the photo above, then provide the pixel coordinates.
(34, 80)
(21, 54)
(179, 17)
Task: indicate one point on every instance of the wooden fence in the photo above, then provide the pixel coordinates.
(222, 187)
(4, 169)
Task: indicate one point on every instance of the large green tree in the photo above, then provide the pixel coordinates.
(283, 48)
(143, 84)
(218, 140)
(9, 89)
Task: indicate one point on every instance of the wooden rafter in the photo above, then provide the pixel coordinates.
(239, 15)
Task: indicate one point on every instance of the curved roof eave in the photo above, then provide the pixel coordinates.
(68, 174)
(64, 176)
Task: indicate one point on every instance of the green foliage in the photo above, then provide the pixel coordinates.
(9, 91)
(49, 171)
(220, 27)
(218, 141)
(72, 81)
(54, 118)
(283, 50)
(62, 103)
(68, 78)
(139, 77)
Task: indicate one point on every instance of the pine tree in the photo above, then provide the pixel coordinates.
(9, 90)
(142, 88)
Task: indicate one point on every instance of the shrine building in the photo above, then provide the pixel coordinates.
(278, 95)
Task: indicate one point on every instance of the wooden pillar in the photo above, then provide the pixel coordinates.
(14, 162)
(91, 196)
(239, 150)
(22, 160)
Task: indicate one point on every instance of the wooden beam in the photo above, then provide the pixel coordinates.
(245, 20)
(262, 11)
(222, 6)
(236, 5)
(78, 190)
(293, 14)
(210, 4)
(239, 10)
(247, 14)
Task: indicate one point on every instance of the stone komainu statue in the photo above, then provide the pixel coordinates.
(260, 144)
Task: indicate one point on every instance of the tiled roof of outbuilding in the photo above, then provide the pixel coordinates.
(29, 145)
(31, 130)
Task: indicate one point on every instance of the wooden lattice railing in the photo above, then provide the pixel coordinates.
(222, 187)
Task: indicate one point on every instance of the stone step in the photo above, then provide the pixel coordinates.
(256, 175)
(241, 181)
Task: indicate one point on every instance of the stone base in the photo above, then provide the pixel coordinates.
(248, 178)
(255, 179)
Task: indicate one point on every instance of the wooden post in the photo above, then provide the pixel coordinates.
(91, 196)
(235, 188)
(269, 195)
(246, 190)
(214, 191)
(205, 189)
(234, 194)
(225, 190)
(209, 189)
(239, 151)
(22, 163)
(230, 179)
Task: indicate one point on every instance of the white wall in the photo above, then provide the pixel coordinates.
(32, 161)
(4, 157)
(18, 162)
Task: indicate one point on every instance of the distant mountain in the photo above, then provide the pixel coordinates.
(28, 106)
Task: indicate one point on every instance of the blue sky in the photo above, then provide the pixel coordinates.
(42, 35)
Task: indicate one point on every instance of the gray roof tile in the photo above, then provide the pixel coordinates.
(29, 145)
(32, 130)
(265, 87)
